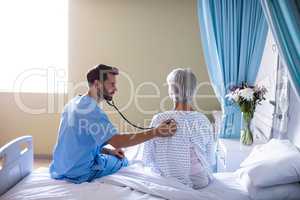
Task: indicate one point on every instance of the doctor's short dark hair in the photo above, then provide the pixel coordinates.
(100, 73)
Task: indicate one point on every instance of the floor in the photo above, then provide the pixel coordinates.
(41, 163)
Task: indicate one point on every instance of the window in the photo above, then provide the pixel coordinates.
(33, 46)
(263, 118)
(268, 68)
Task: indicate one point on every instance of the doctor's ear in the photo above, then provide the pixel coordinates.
(98, 84)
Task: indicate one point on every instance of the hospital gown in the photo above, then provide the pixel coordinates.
(189, 155)
(84, 130)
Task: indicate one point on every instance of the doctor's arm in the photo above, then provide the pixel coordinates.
(117, 152)
(165, 129)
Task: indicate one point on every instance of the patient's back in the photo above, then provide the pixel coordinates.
(174, 156)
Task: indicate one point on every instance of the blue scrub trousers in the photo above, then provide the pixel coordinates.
(107, 164)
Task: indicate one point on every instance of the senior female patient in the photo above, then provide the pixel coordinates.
(189, 154)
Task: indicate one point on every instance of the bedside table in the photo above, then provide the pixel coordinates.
(230, 154)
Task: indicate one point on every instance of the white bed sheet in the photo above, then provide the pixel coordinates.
(38, 185)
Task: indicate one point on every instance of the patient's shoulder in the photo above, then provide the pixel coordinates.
(181, 115)
(162, 116)
(165, 115)
(203, 117)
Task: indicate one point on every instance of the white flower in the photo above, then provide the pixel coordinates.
(229, 96)
(233, 96)
(247, 94)
(236, 95)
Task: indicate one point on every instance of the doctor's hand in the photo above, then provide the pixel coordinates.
(166, 128)
(117, 152)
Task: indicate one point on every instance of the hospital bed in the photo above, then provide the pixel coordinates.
(18, 180)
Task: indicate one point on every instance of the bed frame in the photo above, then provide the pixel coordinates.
(17, 162)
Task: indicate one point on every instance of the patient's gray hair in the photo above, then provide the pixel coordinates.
(182, 85)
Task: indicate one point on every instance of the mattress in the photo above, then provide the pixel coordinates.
(39, 185)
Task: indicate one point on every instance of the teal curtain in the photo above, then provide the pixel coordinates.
(283, 17)
(233, 34)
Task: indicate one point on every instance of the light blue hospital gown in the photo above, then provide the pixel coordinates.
(189, 155)
(84, 129)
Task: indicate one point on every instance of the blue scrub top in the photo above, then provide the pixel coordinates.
(84, 129)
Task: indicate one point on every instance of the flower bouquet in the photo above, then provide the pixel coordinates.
(247, 97)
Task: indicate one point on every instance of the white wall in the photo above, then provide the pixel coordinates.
(145, 39)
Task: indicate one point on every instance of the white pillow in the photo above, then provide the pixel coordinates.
(282, 170)
(272, 150)
(274, 163)
(278, 192)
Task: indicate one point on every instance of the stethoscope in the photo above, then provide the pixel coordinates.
(112, 104)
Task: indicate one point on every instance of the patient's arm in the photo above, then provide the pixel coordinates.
(148, 153)
(165, 129)
(208, 139)
(149, 146)
(210, 146)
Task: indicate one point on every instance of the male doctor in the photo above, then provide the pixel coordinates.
(79, 154)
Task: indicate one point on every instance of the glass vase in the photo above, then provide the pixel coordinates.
(246, 133)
